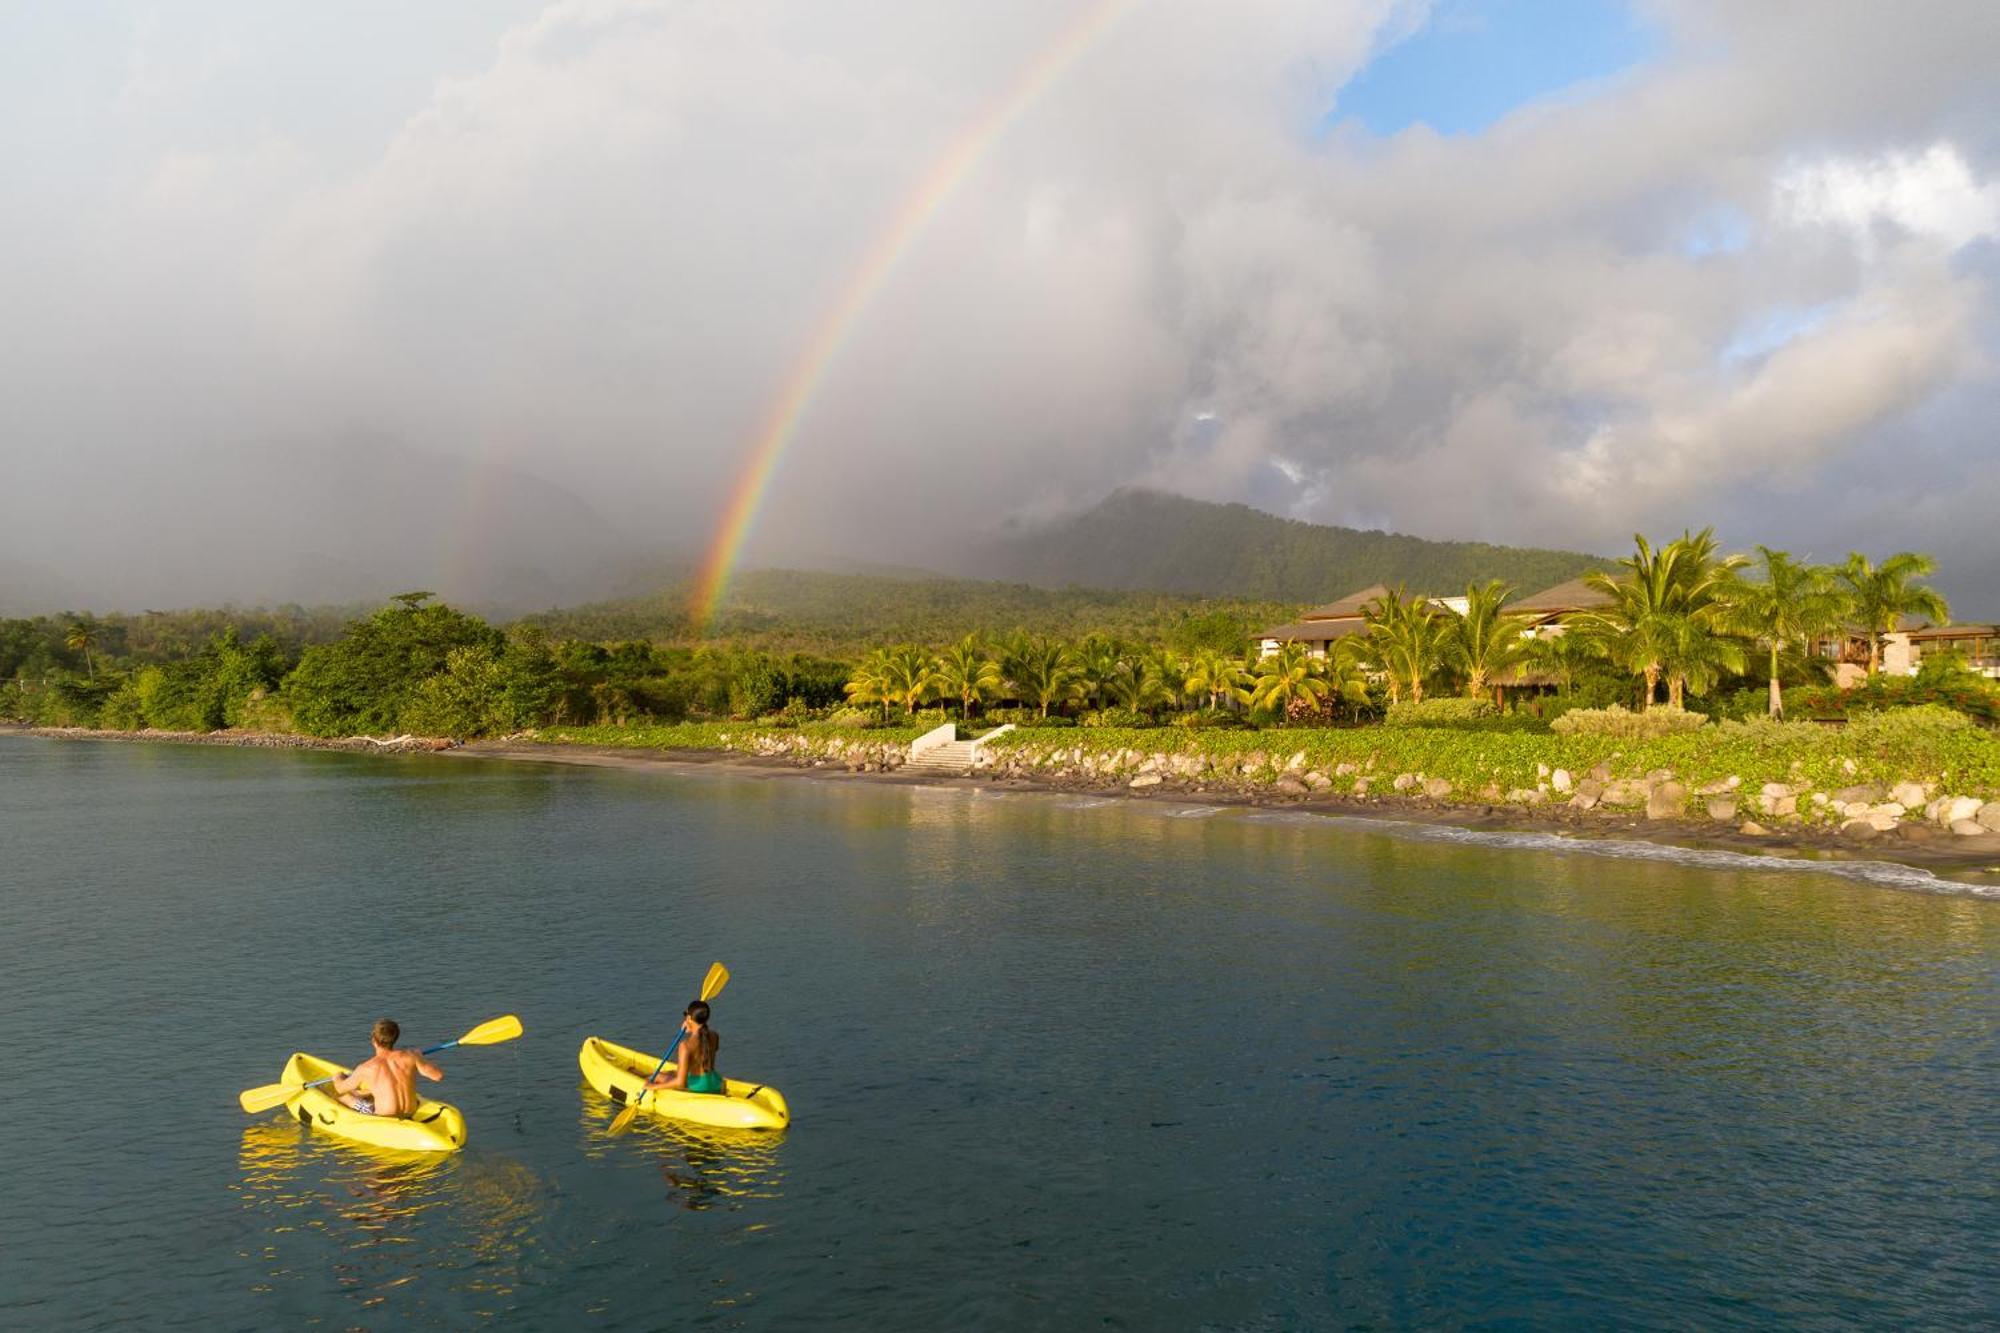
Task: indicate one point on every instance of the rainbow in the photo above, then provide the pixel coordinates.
(913, 215)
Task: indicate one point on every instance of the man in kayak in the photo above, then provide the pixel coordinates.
(695, 1070)
(386, 1082)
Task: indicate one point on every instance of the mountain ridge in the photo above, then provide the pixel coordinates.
(1142, 539)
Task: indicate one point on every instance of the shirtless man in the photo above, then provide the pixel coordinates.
(695, 1071)
(386, 1082)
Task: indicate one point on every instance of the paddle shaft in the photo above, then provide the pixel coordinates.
(428, 1050)
(648, 1085)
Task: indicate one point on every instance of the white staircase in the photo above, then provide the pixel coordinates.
(950, 757)
(937, 752)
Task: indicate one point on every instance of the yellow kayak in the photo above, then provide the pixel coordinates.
(435, 1127)
(619, 1072)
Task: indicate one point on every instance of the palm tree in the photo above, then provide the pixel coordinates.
(906, 674)
(1097, 661)
(1044, 671)
(1289, 680)
(1485, 641)
(1662, 607)
(1792, 605)
(1406, 640)
(1562, 654)
(1216, 675)
(1883, 594)
(81, 637)
(967, 672)
(869, 683)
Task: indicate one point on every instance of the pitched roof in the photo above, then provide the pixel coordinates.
(1351, 607)
(1576, 595)
(1955, 632)
(1314, 631)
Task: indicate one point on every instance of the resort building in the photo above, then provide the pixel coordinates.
(1318, 629)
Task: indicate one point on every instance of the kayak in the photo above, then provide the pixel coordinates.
(435, 1126)
(619, 1072)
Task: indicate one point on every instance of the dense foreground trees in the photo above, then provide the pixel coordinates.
(1679, 623)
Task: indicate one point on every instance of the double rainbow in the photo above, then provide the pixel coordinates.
(913, 215)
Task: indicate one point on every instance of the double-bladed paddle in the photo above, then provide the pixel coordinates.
(491, 1032)
(711, 986)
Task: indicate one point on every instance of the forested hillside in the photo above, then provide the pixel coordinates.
(796, 610)
(1149, 539)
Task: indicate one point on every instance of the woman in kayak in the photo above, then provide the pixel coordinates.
(386, 1082)
(695, 1071)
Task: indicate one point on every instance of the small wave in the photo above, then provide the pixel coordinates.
(1887, 873)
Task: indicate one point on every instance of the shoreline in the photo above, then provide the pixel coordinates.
(1805, 847)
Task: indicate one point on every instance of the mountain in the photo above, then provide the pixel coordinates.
(790, 609)
(1150, 539)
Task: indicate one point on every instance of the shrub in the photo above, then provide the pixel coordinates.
(1893, 730)
(1036, 722)
(1449, 712)
(858, 718)
(1615, 721)
(1213, 720)
(1116, 717)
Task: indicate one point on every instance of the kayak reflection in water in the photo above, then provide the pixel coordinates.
(385, 1084)
(695, 1070)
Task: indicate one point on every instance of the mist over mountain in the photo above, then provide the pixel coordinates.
(1149, 539)
(316, 523)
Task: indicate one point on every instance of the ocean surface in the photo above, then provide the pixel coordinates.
(1053, 1062)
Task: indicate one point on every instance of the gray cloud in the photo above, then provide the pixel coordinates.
(589, 241)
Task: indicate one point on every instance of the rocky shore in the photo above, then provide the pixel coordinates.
(256, 740)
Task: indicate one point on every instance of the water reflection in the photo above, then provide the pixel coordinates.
(423, 1229)
(701, 1166)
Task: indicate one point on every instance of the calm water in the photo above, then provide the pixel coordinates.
(1052, 1063)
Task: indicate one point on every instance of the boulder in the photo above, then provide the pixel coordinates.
(1866, 793)
(1592, 789)
(1583, 800)
(1969, 828)
(1624, 792)
(1752, 828)
(1719, 787)
(1318, 781)
(1437, 789)
(1658, 775)
(1775, 791)
(1956, 809)
(1404, 781)
(1541, 770)
(1361, 786)
(1989, 815)
(1917, 833)
(1291, 786)
(1860, 830)
(1296, 762)
(1721, 809)
(1775, 804)
(1146, 780)
(1602, 772)
(1668, 800)
(1561, 780)
(1345, 770)
(1910, 795)
(1526, 796)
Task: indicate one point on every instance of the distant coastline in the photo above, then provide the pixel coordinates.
(1974, 860)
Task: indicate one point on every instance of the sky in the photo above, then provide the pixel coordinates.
(287, 284)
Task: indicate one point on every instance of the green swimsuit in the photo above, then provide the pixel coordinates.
(709, 1082)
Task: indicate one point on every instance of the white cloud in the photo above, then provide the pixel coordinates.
(1932, 196)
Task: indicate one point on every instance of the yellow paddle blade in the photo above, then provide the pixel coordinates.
(266, 1097)
(712, 984)
(493, 1031)
(623, 1120)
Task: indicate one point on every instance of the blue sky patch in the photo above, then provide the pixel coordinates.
(1473, 61)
